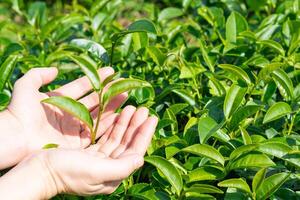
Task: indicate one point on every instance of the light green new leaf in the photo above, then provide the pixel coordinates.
(205, 173)
(277, 111)
(258, 179)
(250, 160)
(237, 71)
(245, 135)
(50, 146)
(124, 85)
(156, 54)
(205, 56)
(142, 25)
(233, 99)
(237, 183)
(235, 24)
(270, 185)
(89, 70)
(169, 13)
(206, 151)
(168, 170)
(284, 83)
(185, 96)
(242, 150)
(93, 47)
(6, 69)
(274, 45)
(72, 107)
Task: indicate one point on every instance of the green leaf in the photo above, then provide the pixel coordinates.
(206, 128)
(6, 69)
(242, 114)
(237, 183)
(89, 70)
(204, 188)
(169, 171)
(50, 146)
(233, 99)
(185, 96)
(72, 107)
(270, 185)
(250, 160)
(205, 173)
(156, 54)
(123, 85)
(284, 83)
(169, 13)
(142, 191)
(242, 150)
(206, 151)
(274, 148)
(274, 45)
(276, 111)
(237, 71)
(93, 47)
(235, 24)
(258, 179)
(246, 138)
(206, 57)
(143, 25)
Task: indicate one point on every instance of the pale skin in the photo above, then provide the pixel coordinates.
(76, 166)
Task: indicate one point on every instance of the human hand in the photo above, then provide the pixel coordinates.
(99, 169)
(30, 125)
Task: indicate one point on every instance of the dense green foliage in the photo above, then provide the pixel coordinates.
(226, 77)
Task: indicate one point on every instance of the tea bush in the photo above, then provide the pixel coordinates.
(225, 73)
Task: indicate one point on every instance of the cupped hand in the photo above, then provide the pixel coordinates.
(100, 168)
(39, 124)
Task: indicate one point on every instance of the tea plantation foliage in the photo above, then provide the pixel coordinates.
(226, 77)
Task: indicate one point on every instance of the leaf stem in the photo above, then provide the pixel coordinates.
(100, 110)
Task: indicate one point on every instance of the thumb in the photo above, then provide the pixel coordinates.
(35, 78)
(121, 168)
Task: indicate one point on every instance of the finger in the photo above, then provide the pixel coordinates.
(137, 120)
(142, 139)
(81, 86)
(118, 169)
(118, 130)
(35, 78)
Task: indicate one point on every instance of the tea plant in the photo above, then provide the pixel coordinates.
(223, 77)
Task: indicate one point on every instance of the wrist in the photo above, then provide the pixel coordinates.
(40, 185)
(13, 146)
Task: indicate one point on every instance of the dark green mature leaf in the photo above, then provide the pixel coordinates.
(93, 47)
(206, 151)
(237, 183)
(6, 69)
(277, 111)
(204, 188)
(242, 114)
(239, 72)
(169, 13)
(270, 185)
(233, 99)
(142, 25)
(169, 171)
(89, 70)
(123, 85)
(72, 107)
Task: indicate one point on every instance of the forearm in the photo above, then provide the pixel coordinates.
(12, 143)
(28, 180)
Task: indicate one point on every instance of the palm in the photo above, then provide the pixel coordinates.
(58, 127)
